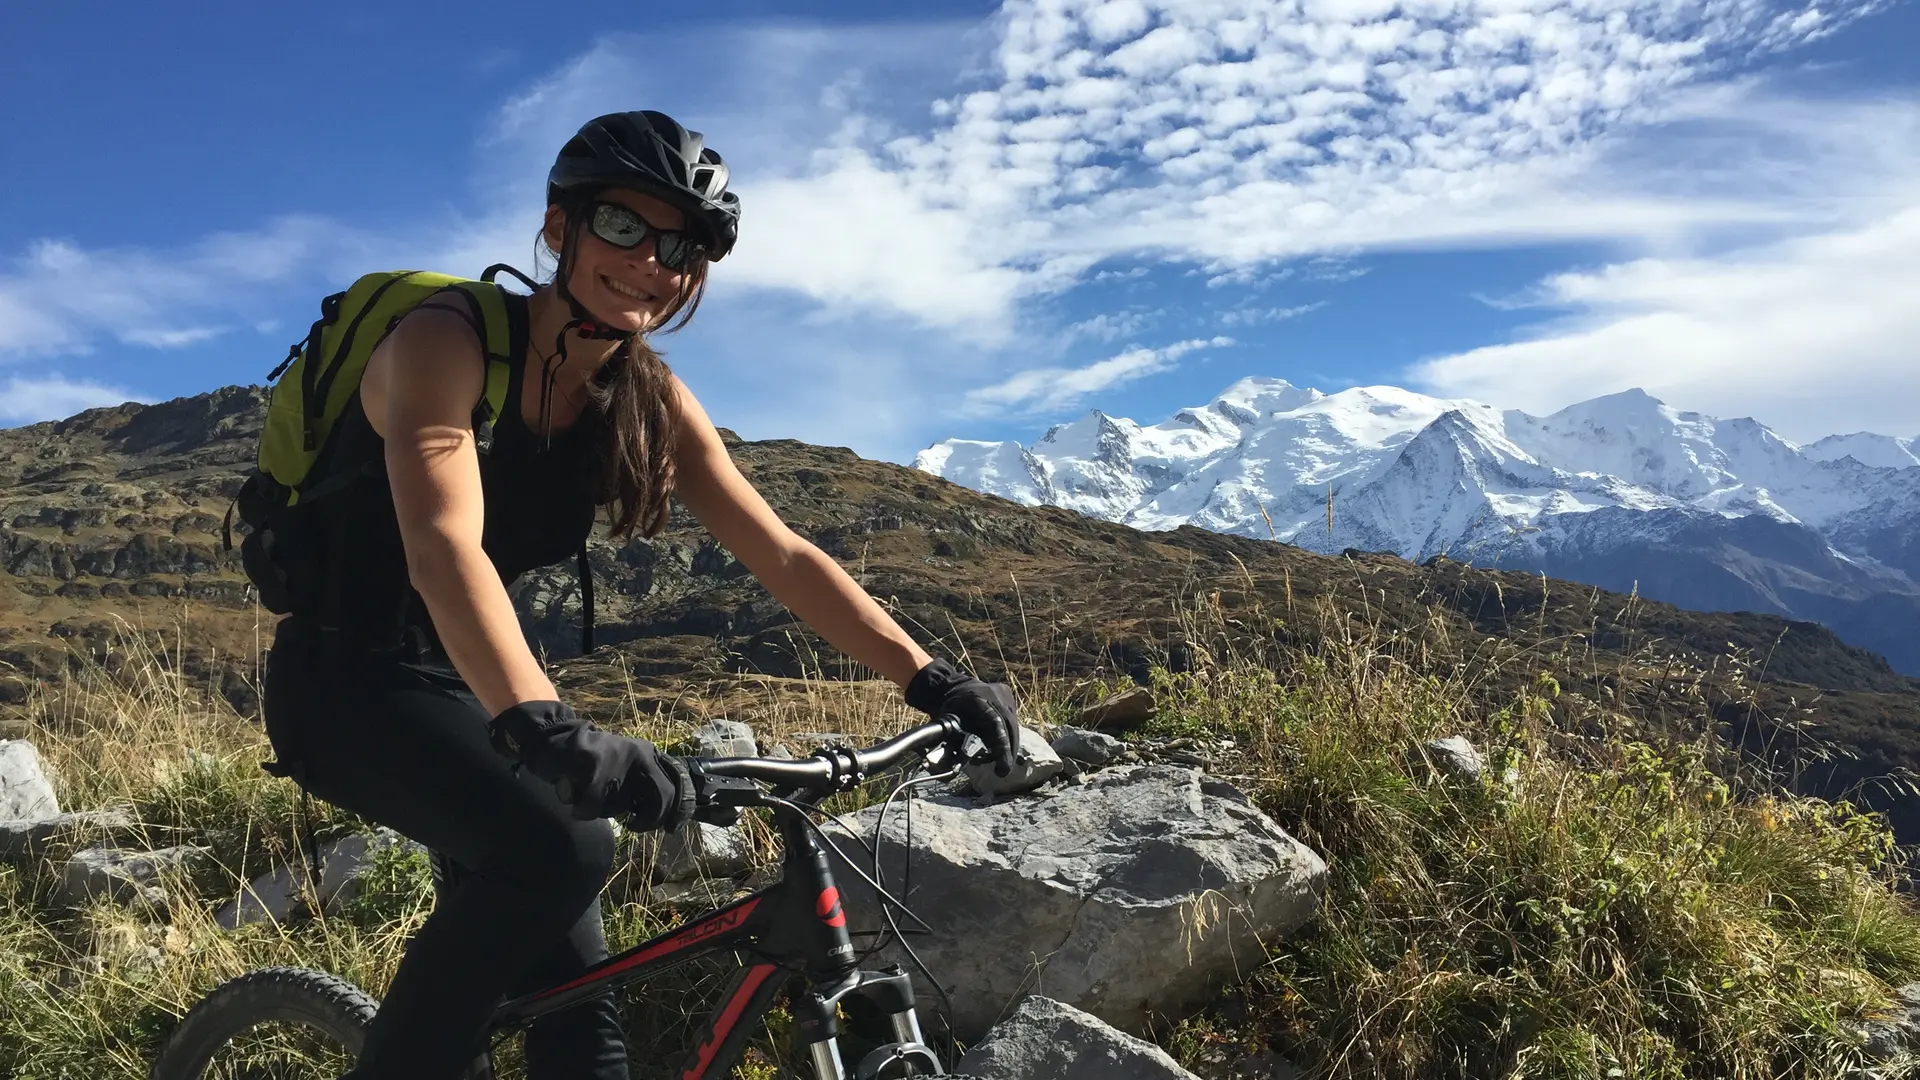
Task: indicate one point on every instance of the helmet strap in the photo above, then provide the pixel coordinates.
(582, 322)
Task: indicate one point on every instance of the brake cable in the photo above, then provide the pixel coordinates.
(886, 898)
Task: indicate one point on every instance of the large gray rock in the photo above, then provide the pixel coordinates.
(1045, 1038)
(1034, 764)
(1140, 890)
(123, 877)
(25, 794)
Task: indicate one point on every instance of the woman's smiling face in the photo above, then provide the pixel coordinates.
(626, 287)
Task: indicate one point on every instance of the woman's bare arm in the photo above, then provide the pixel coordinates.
(798, 574)
(418, 391)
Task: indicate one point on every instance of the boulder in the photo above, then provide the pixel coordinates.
(25, 794)
(123, 876)
(1045, 1038)
(1141, 890)
(1095, 748)
(273, 897)
(1033, 765)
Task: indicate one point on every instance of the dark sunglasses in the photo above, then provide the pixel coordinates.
(623, 228)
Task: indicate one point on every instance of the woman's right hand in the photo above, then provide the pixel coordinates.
(597, 773)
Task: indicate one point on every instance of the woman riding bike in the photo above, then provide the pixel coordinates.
(415, 728)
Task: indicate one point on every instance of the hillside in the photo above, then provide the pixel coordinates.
(116, 512)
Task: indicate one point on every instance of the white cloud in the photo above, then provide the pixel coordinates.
(1814, 335)
(1110, 326)
(58, 298)
(162, 338)
(51, 397)
(1257, 316)
(893, 218)
(1050, 389)
(1814, 332)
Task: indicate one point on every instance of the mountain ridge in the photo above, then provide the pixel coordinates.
(116, 514)
(1420, 476)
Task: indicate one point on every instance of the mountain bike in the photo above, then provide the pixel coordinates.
(790, 938)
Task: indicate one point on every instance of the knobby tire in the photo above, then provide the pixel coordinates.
(332, 1007)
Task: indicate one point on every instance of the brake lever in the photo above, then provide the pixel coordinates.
(718, 800)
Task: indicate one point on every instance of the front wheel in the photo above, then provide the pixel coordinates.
(279, 1023)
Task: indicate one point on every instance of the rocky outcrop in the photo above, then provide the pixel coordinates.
(1138, 890)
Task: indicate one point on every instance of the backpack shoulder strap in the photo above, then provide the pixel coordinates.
(500, 322)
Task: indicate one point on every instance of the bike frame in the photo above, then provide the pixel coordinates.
(790, 934)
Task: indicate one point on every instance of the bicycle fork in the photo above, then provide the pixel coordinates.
(816, 1017)
(816, 1012)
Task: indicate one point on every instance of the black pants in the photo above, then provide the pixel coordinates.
(405, 744)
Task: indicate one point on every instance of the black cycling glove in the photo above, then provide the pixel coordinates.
(984, 709)
(596, 773)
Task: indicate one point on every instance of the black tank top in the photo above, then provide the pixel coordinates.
(539, 508)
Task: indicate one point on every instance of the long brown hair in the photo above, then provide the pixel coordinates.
(633, 392)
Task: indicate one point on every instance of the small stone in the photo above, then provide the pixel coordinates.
(724, 738)
(699, 850)
(1087, 747)
(27, 839)
(1122, 712)
(25, 794)
(123, 876)
(1456, 757)
(1045, 1038)
(1034, 764)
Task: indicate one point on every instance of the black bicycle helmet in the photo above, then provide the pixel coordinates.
(650, 151)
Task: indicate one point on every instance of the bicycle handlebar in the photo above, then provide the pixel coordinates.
(831, 768)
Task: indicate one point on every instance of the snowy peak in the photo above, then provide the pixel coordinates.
(1418, 474)
(1005, 468)
(1253, 399)
(1879, 451)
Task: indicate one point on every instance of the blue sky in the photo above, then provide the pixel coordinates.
(980, 219)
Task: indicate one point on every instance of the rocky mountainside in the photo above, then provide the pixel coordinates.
(117, 512)
(1622, 491)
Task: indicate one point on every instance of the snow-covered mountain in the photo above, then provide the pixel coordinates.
(1621, 491)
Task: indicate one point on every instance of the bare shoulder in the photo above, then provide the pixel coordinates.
(428, 372)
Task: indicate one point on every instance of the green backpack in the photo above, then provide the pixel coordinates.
(292, 548)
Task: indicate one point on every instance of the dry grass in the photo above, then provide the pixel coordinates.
(1620, 896)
